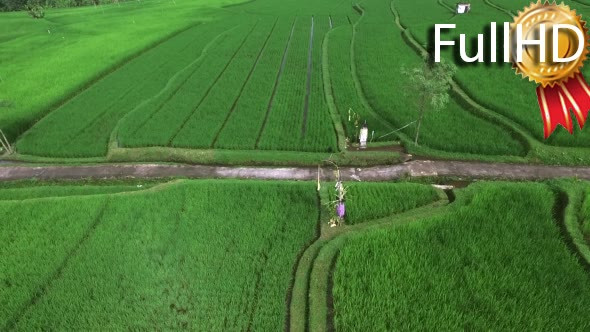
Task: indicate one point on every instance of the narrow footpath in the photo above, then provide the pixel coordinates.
(416, 168)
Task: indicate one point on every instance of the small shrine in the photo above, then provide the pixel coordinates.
(463, 8)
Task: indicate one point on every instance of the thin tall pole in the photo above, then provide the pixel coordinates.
(5, 142)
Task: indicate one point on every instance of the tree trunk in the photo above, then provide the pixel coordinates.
(420, 117)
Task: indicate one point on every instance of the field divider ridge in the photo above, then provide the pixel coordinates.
(178, 87)
(300, 306)
(101, 75)
(211, 86)
(235, 103)
(276, 86)
(154, 188)
(568, 204)
(114, 135)
(323, 265)
(357, 83)
(297, 304)
(329, 94)
(442, 3)
(96, 119)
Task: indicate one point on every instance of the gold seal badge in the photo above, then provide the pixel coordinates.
(548, 73)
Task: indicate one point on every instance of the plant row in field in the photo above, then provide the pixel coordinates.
(317, 124)
(37, 237)
(82, 127)
(170, 258)
(286, 117)
(192, 100)
(343, 89)
(379, 44)
(60, 191)
(221, 103)
(497, 259)
(174, 101)
(200, 129)
(166, 126)
(246, 82)
(283, 129)
(246, 123)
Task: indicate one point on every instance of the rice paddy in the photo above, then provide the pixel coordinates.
(496, 260)
(278, 83)
(368, 201)
(256, 77)
(222, 255)
(168, 257)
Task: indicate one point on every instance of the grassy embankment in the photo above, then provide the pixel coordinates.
(309, 306)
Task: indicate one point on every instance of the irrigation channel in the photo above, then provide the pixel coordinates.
(415, 168)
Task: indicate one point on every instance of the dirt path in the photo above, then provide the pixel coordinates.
(416, 168)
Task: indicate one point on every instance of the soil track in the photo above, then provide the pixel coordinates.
(416, 168)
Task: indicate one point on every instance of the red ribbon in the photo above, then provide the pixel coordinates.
(557, 101)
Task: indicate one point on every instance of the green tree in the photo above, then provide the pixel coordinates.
(35, 9)
(10, 5)
(429, 86)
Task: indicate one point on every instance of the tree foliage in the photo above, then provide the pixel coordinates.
(35, 10)
(13, 5)
(429, 85)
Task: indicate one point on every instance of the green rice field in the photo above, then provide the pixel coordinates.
(496, 260)
(225, 255)
(167, 257)
(141, 136)
(261, 77)
(369, 201)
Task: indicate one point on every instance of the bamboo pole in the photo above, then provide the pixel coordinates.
(319, 186)
(5, 143)
(4, 147)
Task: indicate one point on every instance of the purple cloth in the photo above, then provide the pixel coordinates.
(340, 210)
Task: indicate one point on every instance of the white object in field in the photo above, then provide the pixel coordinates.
(463, 8)
(319, 185)
(364, 134)
(339, 190)
(443, 186)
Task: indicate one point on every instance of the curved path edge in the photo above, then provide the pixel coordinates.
(416, 168)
